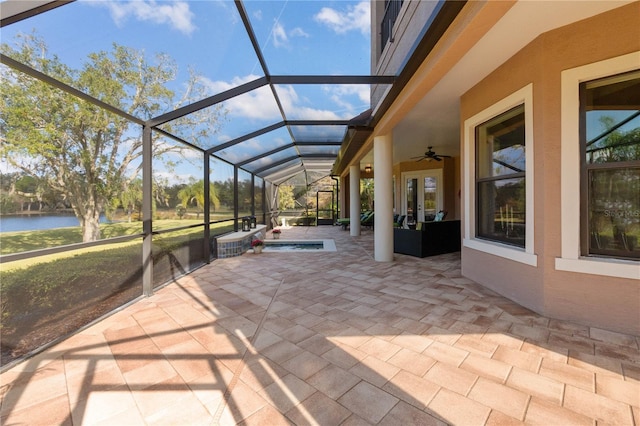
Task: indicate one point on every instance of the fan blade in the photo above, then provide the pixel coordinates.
(437, 158)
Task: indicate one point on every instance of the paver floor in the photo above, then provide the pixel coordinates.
(330, 338)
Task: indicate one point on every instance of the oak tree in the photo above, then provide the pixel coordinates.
(86, 153)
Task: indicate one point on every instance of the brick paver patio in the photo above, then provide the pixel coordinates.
(331, 339)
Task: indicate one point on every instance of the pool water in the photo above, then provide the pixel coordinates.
(299, 245)
(293, 245)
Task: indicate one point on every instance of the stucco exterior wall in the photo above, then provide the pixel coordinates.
(594, 300)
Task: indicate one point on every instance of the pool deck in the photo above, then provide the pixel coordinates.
(329, 338)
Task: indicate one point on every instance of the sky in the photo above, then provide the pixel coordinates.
(296, 37)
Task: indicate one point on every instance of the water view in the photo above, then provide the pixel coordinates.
(32, 222)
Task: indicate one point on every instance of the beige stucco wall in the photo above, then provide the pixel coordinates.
(599, 301)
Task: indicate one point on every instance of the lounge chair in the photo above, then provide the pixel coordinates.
(345, 222)
(367, 221)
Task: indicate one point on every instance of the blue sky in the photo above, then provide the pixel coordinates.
(297, 38)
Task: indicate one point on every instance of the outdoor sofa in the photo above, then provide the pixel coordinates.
(428, 239)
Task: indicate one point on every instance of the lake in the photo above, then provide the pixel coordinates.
(32, 222)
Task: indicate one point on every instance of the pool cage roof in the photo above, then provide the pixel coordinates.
(287, 102)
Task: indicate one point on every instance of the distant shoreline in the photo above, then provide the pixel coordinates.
(40, 212)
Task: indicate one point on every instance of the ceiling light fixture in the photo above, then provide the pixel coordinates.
(368, 168)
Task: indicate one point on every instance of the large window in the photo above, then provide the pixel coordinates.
(610, 178)
(499, 168)
(574, 191)
(500, 178)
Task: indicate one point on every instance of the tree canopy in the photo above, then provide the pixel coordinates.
(86, 153)
(194, 194)
(286, 199)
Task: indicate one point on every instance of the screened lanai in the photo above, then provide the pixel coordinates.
(272, 104)
(122, 113)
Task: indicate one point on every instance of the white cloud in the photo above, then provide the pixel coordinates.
(355, 18)
(298, 32)
(173, 178)
(362, 91)
(344, 96)
(314, 114)
(260, 105)
(294, 106)
(229, 9)
(176, 13)
(249, 149)
(222, 138)
(279, 35)
(257, 104)
(229, 156)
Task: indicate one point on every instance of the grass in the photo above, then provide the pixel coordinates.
(17, 242)
(45, 297)
(47, 300)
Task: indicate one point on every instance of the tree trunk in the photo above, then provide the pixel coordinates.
(87, 207)
(90, 226)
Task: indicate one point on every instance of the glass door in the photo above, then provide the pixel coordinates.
(430, 197)
(422, 195)
(413, 208)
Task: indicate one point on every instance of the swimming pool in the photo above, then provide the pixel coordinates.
(299, 245)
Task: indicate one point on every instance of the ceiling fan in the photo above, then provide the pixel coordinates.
(430, 155)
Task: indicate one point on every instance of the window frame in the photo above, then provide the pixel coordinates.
(494, 178)
(586, 168)
(571, 258)
(526, 255)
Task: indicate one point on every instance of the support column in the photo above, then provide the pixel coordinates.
(147, 212)
(383, 197)
(207, 209)
(236, 207)
(354, 200)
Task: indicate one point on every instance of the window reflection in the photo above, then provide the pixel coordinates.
(501, 165)
(611, 147)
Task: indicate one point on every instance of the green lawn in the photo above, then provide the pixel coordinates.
(17, 242)
(46, 297)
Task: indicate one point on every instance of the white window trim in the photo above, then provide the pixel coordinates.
(571, 259)
(517, 254)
